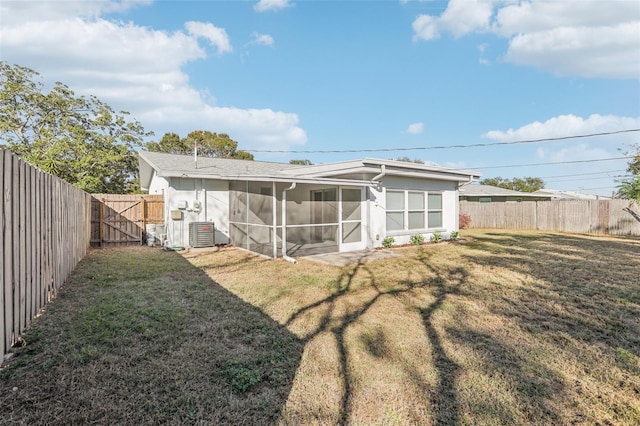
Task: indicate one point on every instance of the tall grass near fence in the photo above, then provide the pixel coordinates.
(617, 217)
(45, 229)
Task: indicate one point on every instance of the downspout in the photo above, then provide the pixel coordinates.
(383, 171)
(284, 224)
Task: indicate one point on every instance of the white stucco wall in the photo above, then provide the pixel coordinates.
(213, 196)
(215, 207)
(377, 208)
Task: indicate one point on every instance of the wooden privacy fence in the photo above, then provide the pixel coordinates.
(620, 217)
(44, 232)
(118, 220)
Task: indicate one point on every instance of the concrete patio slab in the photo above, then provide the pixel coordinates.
(343, 259)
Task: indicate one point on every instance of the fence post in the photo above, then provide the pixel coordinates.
(143, 205)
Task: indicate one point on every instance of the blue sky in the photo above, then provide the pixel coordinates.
(356, 75)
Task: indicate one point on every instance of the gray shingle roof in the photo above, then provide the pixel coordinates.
(172, 164)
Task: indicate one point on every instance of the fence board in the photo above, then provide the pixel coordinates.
(619, 217)
(2, 250)
(45, 230)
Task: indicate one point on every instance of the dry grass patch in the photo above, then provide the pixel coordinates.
(141, 336)
(506, 328)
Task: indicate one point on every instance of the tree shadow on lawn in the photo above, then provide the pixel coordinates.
(439, 398)
(586, 287)
(141, 336)
(533, 393)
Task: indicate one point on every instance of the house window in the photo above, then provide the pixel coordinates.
(413, 210)
(416, 210)
(435, 210)
(395, 210)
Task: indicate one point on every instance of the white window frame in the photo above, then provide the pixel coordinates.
(407, 209)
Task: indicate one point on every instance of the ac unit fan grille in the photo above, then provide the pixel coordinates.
(201, 234)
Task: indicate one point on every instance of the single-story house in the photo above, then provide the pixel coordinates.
(494, 194)
(289, 210)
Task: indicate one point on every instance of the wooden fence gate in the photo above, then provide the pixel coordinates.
(120, 220)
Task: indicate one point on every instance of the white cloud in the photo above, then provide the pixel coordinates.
(415, 128)
(262, 39)
(577, 152)
(567, 125)
(581, 51)
(138, 69)
(21, 11)
(461, 17)
(216, 36)
(265, 5)
(573, 37)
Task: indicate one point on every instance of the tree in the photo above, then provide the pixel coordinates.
(301, 162)
(210, 144)
(170, 143)
(409, 160)
(629, 188)
(79, 139)
(526, 184)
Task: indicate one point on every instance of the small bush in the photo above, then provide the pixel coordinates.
(417, 239)
(388, 242)
(464, 220)
(455, 235)
(436, 237)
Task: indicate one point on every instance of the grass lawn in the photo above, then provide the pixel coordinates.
(505, 328)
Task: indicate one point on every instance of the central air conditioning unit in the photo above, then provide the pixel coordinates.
(201, 234)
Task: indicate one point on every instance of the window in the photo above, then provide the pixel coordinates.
(416, 210)
(435, 210)
(413, 210)
(395, 210)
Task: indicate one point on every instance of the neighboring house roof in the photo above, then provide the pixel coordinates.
(478, 190)
(356, 172)
(568, 195)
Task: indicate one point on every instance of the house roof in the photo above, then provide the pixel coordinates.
(478, 190)
(568, 195)
(368, 166)
(172, 165)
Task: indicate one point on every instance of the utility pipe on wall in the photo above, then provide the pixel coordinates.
(284, 224)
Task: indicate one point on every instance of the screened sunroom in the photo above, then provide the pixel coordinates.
(305, 218)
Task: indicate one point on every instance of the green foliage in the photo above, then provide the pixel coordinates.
(210, 144)
(417, 239)
(436, 237)
(388, 242)
(455, 235)
(301, 162)
(240, 377)
(79, 139)
(629, 188)
(526, 184)
(409, 160)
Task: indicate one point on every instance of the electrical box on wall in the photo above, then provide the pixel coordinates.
(182, 204)
(176, 214)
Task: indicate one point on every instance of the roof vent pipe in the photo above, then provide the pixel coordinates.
(284, 224)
